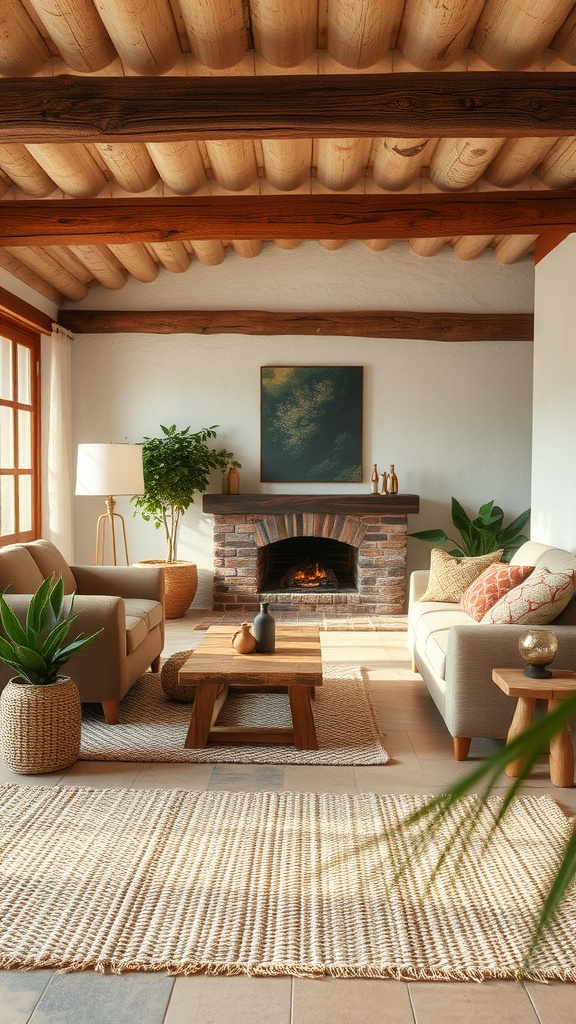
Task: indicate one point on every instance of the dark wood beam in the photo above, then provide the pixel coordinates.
(428, 215)
(547, 242)
(68, 108)
(338, 323)
(21, 311)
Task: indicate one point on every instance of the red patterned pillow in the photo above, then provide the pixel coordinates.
(537, 601)
(490, 586)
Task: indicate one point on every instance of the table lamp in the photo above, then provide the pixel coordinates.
(109, 469)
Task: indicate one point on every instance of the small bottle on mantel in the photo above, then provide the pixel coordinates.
(384, 489)
(392, 482)
(374, 480)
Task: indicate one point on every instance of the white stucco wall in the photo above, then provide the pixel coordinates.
(454, 418)
(554, 437)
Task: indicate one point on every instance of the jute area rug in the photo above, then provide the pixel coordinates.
(153, 728)
(269, 884)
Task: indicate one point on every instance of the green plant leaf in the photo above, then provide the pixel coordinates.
(434, 536)
(11, 625)
(514, 528)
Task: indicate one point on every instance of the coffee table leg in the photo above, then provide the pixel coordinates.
(202, 711)
(523, 717)
(302, 718)
(561, 755)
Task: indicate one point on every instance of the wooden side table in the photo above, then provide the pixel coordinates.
(562, 684)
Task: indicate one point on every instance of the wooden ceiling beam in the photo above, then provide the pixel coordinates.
(337, 323)
(69, 108)
(428, 215)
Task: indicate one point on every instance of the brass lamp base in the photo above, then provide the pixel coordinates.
(109, 519)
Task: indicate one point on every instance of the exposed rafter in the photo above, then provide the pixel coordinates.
(337, 323)
(68, 108)
(94, 222)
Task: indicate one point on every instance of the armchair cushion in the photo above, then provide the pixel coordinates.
(49, 560)
(19, 573)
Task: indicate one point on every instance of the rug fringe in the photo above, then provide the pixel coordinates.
(266, 970)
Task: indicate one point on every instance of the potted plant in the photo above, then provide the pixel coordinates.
(481, 535)
(176, 466)
(40, 713)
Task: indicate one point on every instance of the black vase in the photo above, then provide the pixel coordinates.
(264, 630)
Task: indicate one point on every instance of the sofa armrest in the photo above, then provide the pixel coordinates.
(145, 582)
(472, 698)
(418, 584)
(95, 612)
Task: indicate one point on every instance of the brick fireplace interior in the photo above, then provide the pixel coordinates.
(260, 538)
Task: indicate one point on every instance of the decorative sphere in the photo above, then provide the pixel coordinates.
(538, 646)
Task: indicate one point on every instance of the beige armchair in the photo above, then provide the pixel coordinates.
(127, 603)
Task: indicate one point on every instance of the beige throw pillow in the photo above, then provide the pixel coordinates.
(451, 575)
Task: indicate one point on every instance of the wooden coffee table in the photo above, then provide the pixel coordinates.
(560, 685)
(215, 667)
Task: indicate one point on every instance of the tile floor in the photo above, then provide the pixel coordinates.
(420, 762)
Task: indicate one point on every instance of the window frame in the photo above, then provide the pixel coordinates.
(18, 334)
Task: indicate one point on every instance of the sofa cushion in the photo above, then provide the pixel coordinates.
(537, 601)
(136, 632)
(451, 575)
(141, 617)
(150, 611)
(19, 573)
(490, 586)
(49, 560)
(430, 625)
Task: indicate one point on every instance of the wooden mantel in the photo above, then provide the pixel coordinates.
(338, 504)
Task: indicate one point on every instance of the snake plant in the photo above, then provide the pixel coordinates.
(37, 649)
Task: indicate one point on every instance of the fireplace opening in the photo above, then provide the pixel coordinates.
(309, 564)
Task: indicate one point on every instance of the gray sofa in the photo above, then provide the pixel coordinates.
(455, 655)
(127, 603)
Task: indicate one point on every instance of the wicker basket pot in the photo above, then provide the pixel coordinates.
(181, 583)
(40, 726)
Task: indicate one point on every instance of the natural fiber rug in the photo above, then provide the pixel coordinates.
(269, 883)
(153, 728)
(348, 621)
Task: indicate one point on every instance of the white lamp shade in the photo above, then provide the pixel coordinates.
(108, 469)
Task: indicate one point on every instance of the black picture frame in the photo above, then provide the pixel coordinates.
(311, 424)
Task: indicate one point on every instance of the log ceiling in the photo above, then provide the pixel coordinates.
(138, 139)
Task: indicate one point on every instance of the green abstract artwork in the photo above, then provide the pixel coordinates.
(311, 423)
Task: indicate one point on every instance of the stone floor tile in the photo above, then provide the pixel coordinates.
(90, 998)
(19, 994)
(351, 1001)
(102, 774)
(305, 778)
(173, 776)
(249, 778)
(555, 1003)
(390, 778)
(46, 779)
(461, 1002)
(222, 1000)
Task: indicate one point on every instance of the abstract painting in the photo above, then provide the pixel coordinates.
(311, 424)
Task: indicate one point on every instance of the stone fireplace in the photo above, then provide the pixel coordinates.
(263, 541)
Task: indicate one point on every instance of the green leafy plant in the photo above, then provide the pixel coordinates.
(481, 535)
(176, 465)
(37, 649)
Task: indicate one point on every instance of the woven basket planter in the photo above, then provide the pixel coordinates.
(40, 726)
(181, 584)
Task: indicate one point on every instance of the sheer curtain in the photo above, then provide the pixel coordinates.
(59, 477)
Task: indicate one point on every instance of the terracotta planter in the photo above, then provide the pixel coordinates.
(181, 583)
(40, 726)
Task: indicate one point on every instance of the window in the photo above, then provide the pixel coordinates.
(19, 433)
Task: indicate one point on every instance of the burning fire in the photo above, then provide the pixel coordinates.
(311, 576)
